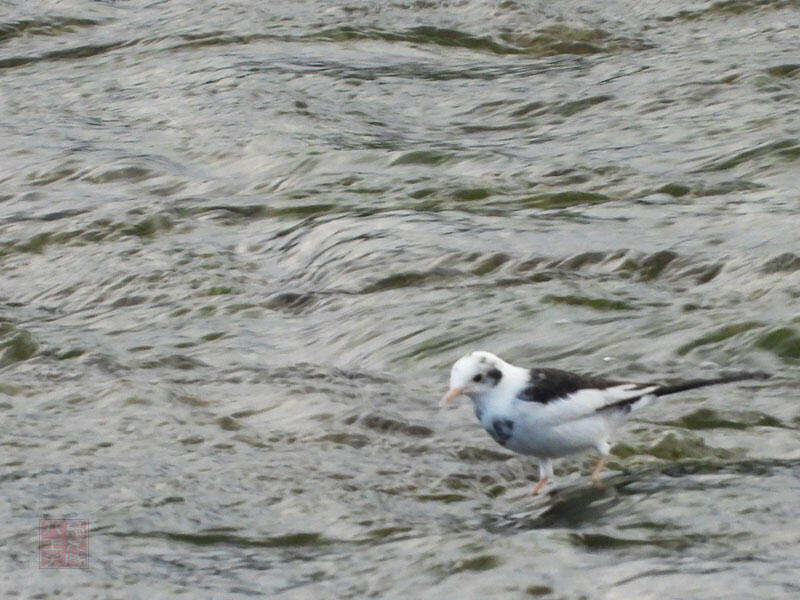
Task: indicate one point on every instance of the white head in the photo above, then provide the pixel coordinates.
(474, 375)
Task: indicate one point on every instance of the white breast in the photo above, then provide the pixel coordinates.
(553, 441)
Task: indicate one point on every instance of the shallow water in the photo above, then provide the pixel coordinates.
(241, 244)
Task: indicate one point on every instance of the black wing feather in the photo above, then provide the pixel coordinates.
(547, 385)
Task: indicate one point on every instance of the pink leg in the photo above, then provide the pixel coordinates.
(539, 485)
(545, 473)
(601, 462)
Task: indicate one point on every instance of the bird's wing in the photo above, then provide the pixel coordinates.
(553, 396)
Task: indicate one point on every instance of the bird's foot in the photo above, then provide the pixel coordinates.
(539, 485)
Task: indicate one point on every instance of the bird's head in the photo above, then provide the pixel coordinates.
(474, 375)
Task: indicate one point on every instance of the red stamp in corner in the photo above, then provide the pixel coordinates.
(63, 544)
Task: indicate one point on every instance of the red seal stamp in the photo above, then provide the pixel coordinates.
(63, 544)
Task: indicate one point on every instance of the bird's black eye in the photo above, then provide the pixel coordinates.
(477, 378)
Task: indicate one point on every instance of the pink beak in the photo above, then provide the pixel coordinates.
(450, 396)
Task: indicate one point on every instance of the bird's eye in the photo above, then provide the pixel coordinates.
(477, 378)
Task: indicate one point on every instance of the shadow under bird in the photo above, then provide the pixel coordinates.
(550, 413)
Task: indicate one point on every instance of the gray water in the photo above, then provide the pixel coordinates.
(241, 243)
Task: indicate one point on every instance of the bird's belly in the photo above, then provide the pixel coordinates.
(555, 441)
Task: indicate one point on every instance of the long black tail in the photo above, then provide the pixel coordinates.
(682, 386)
(691, 384)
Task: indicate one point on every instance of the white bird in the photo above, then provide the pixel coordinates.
(549, 413)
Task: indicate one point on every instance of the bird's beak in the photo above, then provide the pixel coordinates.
(450, 396)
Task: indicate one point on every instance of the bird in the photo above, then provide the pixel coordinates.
(550, 413)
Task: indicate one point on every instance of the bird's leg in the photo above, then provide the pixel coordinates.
(603, 449)
(539, 485)
(545, 473)
(601, 462)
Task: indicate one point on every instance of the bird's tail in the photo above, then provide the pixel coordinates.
(638, 402)
(691, 384)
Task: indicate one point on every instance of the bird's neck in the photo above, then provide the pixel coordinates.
(499, 398)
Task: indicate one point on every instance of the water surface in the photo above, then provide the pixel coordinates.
(241, 244)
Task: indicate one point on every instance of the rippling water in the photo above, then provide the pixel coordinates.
(242, 242)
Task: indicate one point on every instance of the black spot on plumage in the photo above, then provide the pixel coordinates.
(501, 430)
(495, 375)
(547, 385)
